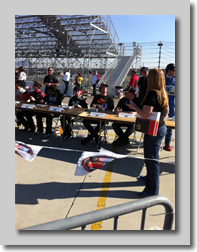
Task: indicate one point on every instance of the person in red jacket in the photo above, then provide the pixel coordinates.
(134, 79)
(34, 96)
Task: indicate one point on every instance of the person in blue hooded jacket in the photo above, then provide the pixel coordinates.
(170, 88)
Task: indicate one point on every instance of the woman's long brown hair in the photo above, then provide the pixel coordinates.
(156, 82)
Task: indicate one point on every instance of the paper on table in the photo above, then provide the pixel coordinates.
(57, 109)
(29, 106)
(97, 114)
(126, 114)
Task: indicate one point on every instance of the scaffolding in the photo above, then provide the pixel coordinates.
(77, 42)
(65, 41)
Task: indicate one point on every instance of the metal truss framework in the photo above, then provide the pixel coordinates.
(65, 40)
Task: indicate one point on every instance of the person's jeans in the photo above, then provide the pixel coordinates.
(25, 117)
(151, 151)
(118, 130)
(49, 120)
(93, 131)
(94, 89)
(171, 114)
(66, 86)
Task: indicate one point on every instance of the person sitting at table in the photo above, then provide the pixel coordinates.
(123, 137)
(77, 101)
(98, 102)
(33, 96)
(53, 97)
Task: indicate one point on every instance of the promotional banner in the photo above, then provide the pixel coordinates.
(28, 152)
(90, 161)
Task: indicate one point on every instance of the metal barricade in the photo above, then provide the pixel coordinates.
(83, 220)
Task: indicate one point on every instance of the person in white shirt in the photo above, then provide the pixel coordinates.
(22, 76)
(66, 80)
(95, 80)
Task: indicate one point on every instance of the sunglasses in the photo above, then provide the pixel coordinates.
(50, 70)
(35, 85)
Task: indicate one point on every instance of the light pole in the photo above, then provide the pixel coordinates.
(160, 45)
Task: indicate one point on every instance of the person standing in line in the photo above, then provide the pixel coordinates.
(142, 82)
(66, 80)
(134, 79)
(170, 88)
(22, 76)
(95, 80)
(50, 79)
(79, 79)
(156, 99)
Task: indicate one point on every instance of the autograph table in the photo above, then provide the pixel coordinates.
(111, 117)
(42, 108)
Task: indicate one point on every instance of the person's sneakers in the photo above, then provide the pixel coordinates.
(37, 133)
(121, 141)
(116, 142)
(25, 129)
(86, 140)
(142, 177)
(167, 147)
(47, 135)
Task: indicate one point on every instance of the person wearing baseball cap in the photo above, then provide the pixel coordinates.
(77, 101)
(123, 137)
(103, 85)
(170, 67)
(170, 88)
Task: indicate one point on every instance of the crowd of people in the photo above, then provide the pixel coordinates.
(153, 91)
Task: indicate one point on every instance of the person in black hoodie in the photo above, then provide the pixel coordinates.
(53, 97)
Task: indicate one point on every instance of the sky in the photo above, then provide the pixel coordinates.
(144, 28)
(148, 31)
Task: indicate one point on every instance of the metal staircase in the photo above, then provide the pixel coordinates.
(116, 76)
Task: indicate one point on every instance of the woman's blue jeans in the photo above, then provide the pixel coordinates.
(151, 151)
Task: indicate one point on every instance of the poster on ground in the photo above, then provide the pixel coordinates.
(90, 161)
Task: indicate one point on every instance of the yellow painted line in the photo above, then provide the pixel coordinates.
(104, 189)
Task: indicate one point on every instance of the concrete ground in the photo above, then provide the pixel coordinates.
(47, 189)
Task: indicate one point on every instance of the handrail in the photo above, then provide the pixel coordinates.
(112, 212)
(120, 76)
(112, 66)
